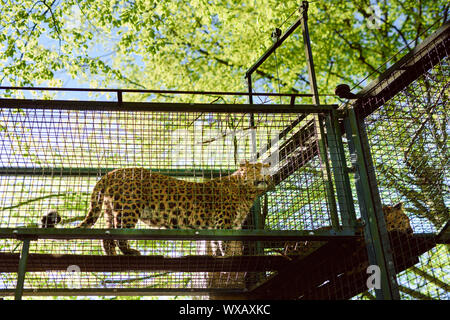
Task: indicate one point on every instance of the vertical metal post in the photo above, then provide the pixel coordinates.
(22, 269)
(250, 89)
(319, 119)
(375, 233)
(256, 210)
(256, 247)
(341, 178)
(308, 51)
(252, 119)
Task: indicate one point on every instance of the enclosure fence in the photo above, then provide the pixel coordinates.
(346, 188)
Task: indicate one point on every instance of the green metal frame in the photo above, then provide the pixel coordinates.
(376, 236)
(93, 172)
(163, 106)
(22, 269)
(124, 292)
(174, 234)
(341, 177)
(329, 188)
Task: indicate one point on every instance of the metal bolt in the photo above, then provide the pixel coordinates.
(276, 33)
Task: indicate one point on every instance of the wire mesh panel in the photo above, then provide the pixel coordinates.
(62, 165)
(408, 137)
(52, 159)
(404, 116)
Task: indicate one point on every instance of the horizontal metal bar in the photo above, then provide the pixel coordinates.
(94, 172)
(10, 263)
(274, 46)
(223, 93)
(122, 292)
(175, 234)
(163, 107)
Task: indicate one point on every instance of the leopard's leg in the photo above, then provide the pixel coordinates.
(217, 246)
(109, 246)
(228, 248)
(127, 218)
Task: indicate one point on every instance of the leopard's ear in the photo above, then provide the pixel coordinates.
(398, 206)
(244, 163)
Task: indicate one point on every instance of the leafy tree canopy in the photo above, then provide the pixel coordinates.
(203, 45)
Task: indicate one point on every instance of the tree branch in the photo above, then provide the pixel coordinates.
(358, 47)
(56, 24)
(42, 198)
(132, 280)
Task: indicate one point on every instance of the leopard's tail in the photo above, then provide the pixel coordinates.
(95, 208)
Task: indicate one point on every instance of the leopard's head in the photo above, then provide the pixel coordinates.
(255, 175)
(393, 211)
(396, 218)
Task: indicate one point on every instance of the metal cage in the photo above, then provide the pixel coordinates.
(312, 235)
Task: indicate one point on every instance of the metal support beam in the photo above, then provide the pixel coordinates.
(273, 47)
(341, 178)
(125, 292)
(376, 236)
(22, 269)
(96, 172)
(256, 209)
(174, 234)
(326, 172)
(308, 52)
(150, 263)
(320, 121)
(162, 106)
(255, 212)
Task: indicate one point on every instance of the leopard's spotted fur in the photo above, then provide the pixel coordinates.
(395, 218)
(132, 194)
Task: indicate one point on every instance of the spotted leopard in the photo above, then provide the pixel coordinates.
(394, 216)
(132, 194)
